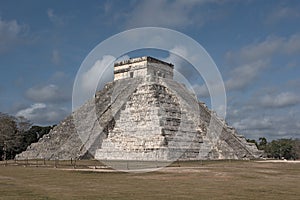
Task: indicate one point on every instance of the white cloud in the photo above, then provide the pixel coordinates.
(59, 76)
(271, 46)
(202, 90)
(244, 75)
(272, 125)
(240, 78)
(98, 75)
(55, 58)
(294, 83)
(298, 125)
(254, 119)
(178, 53)
(122, 58)
(281, 100)
(50, 101)
(282, 13)
(183, 72)
(256, 51)
(253, 58)
(55, 19)
(159, 13)
(292, 44)
(43, 114)
(91, 79)
(107, 7)
(170, 13)
(27, 112)
(11, 34)
(48, 93)
(253, 124)
(177, 61)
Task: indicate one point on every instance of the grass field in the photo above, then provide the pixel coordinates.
(192, 180)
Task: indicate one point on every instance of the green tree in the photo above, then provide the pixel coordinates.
(252, 141)
(16, 134)
(296, 148)
(281, 148)
(9, 136)
(262, 143)
(35, 133)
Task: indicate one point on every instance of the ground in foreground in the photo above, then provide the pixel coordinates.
(190, 180)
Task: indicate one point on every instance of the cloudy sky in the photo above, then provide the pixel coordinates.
(255, 44)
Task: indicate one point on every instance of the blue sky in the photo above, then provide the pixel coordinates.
(255, 44)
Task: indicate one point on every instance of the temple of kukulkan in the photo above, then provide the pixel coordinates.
(143, 115)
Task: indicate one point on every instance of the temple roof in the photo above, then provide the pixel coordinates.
(140, 59)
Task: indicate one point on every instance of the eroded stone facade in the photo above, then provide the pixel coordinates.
(141, 67)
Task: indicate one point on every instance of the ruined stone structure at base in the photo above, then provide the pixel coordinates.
(143, 115)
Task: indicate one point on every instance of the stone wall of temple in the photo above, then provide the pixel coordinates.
(141, 67)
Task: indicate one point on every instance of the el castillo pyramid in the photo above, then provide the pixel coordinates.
(143, 115)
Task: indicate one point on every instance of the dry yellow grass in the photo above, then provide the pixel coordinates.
(192, 180)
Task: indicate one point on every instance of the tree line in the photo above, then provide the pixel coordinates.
(16, 134)
(279, 149)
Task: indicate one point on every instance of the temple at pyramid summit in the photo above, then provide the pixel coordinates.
(143, 115)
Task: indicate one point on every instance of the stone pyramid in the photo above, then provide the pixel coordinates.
(143, 115)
